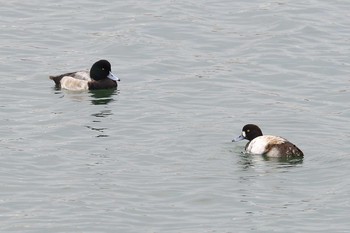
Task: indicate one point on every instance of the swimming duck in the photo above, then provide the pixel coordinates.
(271, 146)
(99, 77)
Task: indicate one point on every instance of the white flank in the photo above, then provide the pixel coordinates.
(274, 153)
(74, 84)
(259, 144)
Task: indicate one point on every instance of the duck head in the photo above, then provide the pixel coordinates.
(101, 70)
(249, 132)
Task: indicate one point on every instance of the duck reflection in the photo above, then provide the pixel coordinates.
(102, 97)
(98, 97)
(103, 113)
(284, 161)
(100, 130)
(248, 161)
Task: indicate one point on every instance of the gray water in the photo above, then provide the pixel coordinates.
(156, 154)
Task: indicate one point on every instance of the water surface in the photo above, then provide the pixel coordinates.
(156, 154)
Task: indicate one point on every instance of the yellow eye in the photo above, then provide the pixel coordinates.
(248, 130)
(103, 68)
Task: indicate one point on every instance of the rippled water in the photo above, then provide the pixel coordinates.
(156, 154)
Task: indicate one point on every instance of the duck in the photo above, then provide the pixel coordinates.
(100, 76)
(267, 145)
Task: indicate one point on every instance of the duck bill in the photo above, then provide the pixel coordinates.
(113, 77)
(239, 138)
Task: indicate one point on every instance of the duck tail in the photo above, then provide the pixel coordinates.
(295, 151)
(56, 79)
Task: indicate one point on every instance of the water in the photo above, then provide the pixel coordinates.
(156, 155)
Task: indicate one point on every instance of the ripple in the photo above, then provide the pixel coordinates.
(156, 154)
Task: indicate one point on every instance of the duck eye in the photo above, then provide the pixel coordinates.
(248, 130)
(103, 68)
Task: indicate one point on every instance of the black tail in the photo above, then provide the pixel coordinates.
(56, 79)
